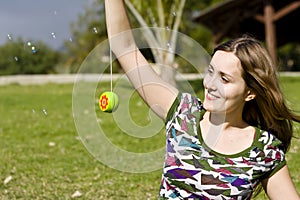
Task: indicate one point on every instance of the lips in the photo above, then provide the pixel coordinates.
(211, 97)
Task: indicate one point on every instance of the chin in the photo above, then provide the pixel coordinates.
(207, 106)
(212, 108)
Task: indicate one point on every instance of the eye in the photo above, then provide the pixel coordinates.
(224, 79)
(210, 70)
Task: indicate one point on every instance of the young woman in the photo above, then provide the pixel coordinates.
(236, 139)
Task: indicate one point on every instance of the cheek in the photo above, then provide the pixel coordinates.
(205, 80)
(211, 82)
(234, 93)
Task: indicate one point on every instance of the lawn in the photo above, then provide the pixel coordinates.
(42, 156)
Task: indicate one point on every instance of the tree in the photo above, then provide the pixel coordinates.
(289, 54)
(169, 14)
(19, 57)
(160, 38)
(88, 31)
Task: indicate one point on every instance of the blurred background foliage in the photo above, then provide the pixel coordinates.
(23, 57)
(27, 57)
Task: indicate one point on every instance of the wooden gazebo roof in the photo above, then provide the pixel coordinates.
(274, 21)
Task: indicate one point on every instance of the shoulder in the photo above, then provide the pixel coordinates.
(270, 152)
(269, 141)
(184, 104)
(189, 102)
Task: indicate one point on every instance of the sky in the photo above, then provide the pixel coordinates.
(44, 20)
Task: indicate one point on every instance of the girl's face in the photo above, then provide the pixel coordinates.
(225, 89)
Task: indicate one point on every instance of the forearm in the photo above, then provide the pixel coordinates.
(123, 45)
(118, 28)
(158, 94)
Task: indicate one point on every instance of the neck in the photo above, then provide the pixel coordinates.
(216, 125)
(226, 120)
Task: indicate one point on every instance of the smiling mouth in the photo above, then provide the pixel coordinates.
(211, 97)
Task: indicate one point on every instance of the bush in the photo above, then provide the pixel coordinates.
(19, 57)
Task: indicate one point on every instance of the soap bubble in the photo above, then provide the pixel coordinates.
(95, 30)
(44, 110)
(53, 35)
(31, 47)
(169, 46)
(9, 37)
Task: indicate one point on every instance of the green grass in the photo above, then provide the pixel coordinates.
(41, 150)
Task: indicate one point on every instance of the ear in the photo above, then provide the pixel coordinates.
(250, 96)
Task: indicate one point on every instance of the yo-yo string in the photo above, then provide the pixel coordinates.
(110, 52)
(110, 65)
(136, 61)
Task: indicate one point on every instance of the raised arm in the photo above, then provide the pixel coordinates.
(158, 94)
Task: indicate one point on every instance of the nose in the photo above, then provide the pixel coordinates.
(210, 82)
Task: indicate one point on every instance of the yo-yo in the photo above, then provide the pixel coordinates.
(108, 102)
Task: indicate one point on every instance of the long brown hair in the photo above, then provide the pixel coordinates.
(268, 110)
